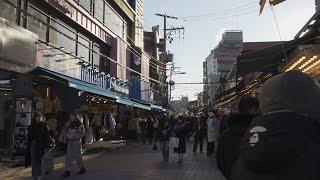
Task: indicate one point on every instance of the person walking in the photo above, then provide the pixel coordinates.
(212, 132)
(74, 134)
(149, 129)
(284, 142)
(180, 133)
(163, 136)
(142, 125)
(37, 145)
(229, 143)
(199, 133)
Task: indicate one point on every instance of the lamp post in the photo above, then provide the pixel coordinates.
(171, 82)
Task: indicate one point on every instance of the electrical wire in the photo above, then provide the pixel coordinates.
(222, 12)
(278, 28)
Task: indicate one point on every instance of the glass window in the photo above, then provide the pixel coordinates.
(86, 4)
(95, 55)
(83, 48)
(8, 11)
(36, 23)
(113, 21)
(63, 37)
(98, 10)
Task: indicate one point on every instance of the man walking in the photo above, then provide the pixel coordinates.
(199, 133)
(164, 133)
(229, 144)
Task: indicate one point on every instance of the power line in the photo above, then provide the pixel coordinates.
(222, 12)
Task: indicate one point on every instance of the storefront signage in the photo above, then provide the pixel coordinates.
(104, 81)
(118, 86)
(62, 5)
(5, 82)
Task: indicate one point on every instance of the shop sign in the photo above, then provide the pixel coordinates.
(118, 86)
(5, 82)
(62, 5)
(104, 81)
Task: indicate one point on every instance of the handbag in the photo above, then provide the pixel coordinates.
(174, 142)
(155, 147)
(47, 164)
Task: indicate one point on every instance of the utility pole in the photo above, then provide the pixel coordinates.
(165, 29)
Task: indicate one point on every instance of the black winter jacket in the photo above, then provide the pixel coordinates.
(279, 146)
(229, 143)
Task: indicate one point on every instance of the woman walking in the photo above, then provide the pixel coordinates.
(38, 143)
(74, 134)
(181, 134)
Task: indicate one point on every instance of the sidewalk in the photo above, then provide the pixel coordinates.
(14, 169)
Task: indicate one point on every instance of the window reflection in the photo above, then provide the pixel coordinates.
(8, 11)
(36, 23)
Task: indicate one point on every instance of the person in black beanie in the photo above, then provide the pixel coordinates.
(283, 143)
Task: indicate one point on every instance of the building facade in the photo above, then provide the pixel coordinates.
(221, 61)
(61, 56)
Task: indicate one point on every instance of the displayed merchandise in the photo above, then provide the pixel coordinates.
(20, 146)
(21, 133)
(48, 105)
(23, 105)
(57, 106)
(23, 119)
(22, 122)
(39, 104)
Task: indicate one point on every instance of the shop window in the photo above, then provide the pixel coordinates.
(36, 23)
(86, 4)
(8, 10)
(63, 37)
(98, 10)
(83, 48)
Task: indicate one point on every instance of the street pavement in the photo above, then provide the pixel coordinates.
(140, 162)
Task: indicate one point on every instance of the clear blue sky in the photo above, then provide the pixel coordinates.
(202, 34)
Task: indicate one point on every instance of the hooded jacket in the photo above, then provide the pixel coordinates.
(281, 145)
(229, 144)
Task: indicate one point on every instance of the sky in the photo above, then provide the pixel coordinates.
(204, 23)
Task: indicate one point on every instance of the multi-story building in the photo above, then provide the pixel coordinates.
(83, 54)
(221, 60)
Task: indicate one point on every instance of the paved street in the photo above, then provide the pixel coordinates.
(139, 162)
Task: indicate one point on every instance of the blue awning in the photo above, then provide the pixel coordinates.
(153, 106)
(132, 103)
(83, 86)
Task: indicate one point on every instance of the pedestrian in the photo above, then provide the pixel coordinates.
(38, 144)
(163, 135)
(149, 128)
(212, 132)
(74, 134)
(181, 133)
(229, 143)
(199, 133)
(142, 125)
(284, 142)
